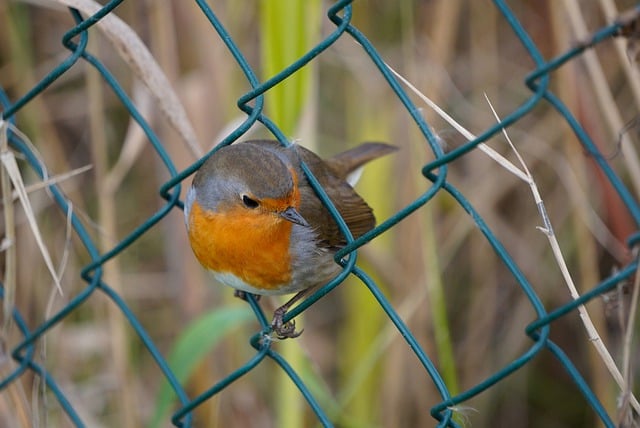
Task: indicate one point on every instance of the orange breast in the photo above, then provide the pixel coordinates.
(250, 244)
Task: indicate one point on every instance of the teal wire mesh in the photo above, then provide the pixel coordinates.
(341, 15)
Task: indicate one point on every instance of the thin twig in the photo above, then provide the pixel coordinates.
(52, 180)
(547, 229)
(506, 163)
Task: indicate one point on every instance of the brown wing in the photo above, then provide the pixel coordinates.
(354, 210)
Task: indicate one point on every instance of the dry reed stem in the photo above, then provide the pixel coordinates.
(606, 102)
(568, 84)
(630, 69)
(547, 229)
(11, 167)
(15, 399)
(134, 142)
(10, 237)
(133, 51)
(107, 215)
(613, 118)
(39, 387)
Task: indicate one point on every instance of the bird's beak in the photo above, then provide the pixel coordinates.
(291, 214)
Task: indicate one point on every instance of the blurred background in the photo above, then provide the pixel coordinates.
(460, 301)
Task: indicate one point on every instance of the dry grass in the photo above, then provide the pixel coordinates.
(452, 51)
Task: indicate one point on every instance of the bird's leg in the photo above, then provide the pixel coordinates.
(243, 295)
(287, 330)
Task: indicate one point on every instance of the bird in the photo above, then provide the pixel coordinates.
(254, 220)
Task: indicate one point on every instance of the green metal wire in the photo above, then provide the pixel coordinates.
(252, 103)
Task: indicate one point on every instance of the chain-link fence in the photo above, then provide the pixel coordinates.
(465, 322)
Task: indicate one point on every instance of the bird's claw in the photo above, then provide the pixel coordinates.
(284, 330)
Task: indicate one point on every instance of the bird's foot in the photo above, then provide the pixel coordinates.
(284, 330)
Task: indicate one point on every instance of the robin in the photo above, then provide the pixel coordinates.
(254, 220)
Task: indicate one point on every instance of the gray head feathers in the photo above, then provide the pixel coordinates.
(244, 169)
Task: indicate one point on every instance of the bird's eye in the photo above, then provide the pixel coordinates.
(249, 203)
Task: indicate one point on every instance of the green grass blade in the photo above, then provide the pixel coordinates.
(289, 29)
(193, 345)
